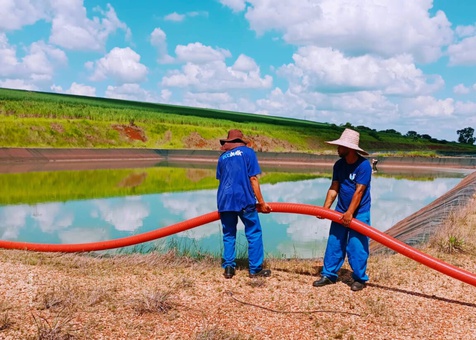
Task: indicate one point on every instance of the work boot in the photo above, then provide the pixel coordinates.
(356, 286)
(262, 273)
(229, 272)
(323, 281)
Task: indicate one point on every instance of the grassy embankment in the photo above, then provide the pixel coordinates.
(32, 119)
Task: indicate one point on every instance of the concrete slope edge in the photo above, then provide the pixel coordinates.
(419, 226)
(11, 155)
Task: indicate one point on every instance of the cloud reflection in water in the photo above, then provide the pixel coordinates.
(284, 234)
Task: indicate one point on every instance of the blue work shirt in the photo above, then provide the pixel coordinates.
(234, 169)
(348, 176)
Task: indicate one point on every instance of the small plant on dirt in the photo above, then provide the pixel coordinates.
(184, 283)
(257, 282)
(456, 235)
(454, 244)
(155, 302)
(5, 321)
(219, 334)
(97, 296)
(56, 329)
(54, 298)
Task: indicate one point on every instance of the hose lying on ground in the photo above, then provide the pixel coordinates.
(296, 208)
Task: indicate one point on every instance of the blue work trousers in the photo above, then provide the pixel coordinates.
(253, 232)
(342, 241)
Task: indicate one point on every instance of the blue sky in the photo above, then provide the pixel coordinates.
(407, 65)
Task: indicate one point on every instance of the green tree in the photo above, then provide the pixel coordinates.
(412, 134)
(392, 131)
(466, 136)
(426, 136)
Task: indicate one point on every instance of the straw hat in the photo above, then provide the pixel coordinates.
(234, 136)
(349, 139)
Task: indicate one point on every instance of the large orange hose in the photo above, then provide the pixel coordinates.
(117, 243)
(296, 208)
(382, 238)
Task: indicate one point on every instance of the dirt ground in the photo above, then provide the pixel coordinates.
(61, 296)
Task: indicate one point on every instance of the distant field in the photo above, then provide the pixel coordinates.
(35, 119)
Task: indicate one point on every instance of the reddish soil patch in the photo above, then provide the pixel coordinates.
(256, 142)
(131, 132)
(266, 144)
(133, 180)
(196, 141)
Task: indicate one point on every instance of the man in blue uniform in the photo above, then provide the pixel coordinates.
(351, 184)
(239, 196)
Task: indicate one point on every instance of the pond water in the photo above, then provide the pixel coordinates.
(63, 207)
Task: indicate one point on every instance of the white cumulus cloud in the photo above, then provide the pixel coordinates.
(205, 70)
(198, 53)
(329, 70)
(73, 30)
(16, 14)
(428, 106)
(463, 52)
(77, 89)
(120, 64)
(235, 5)
(131, 92)
(385, 27)
(38, 64)
(461, 89)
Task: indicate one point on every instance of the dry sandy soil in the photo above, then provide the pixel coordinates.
(60, 296)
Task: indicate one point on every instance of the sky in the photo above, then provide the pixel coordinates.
(407, 65)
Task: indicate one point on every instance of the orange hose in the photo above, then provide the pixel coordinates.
(116, 243)
(296, 208)
(382, 238)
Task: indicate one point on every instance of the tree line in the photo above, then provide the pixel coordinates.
(465, 136)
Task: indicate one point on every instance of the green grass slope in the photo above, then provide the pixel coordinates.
(36, 119)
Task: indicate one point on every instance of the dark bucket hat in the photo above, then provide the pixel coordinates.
(234, 136)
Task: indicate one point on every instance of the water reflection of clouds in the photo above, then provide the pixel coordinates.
(392, 201)
(301, 228)
(124, 214)
(188, 205)
(12, 219)
(296, 192)
(308, 228)
(290, 234)
(52, 217)
(83, 235)
(395, 199)
(288, 249)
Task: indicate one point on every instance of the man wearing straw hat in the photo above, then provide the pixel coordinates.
(239, 196)
(351, 184)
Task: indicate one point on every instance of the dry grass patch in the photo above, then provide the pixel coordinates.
(55, 327)
(5, 320)
(216, 333)
(457, 233)
(156, 301)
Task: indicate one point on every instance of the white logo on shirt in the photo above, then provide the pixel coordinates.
(233, 153)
